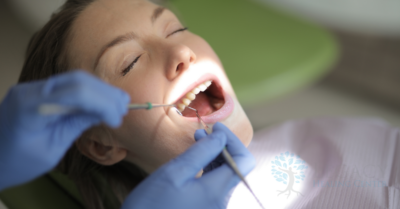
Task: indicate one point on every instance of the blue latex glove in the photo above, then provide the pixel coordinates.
(218, 161)
(32, 144)
(174, 185)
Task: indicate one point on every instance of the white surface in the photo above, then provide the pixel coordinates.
(371, 16)
(344, 163)
(2, 206)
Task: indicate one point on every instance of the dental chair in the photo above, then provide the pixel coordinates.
(266, 54)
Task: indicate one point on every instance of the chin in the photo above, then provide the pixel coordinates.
(240, 125)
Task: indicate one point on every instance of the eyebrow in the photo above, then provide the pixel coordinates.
(157, 13)
(119, 40)
(127, 37)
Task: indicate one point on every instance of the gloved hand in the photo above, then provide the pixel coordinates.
(31, 143)
(218, 161)
(174, 186)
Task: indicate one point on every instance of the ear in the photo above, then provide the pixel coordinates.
(100, 147)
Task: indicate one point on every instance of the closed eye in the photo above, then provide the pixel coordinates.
(126, 70)
(179, 30)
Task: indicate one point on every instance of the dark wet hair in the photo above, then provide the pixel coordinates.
(100, 186)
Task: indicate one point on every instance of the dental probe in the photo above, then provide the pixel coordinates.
(148, 106)
(52, 109)
(229, 160)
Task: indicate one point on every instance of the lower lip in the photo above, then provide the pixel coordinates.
(218, 115)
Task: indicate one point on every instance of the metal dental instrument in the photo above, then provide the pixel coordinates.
(229, 160)
(52, 109)
(148, 106)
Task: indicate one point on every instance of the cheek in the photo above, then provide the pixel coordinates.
(240, 124)
(245, 133)
(243, 129)
(202, 49)
(152, 138)
(143, 87)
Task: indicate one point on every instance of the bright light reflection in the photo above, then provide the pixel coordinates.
(195, 72)
(266, 189)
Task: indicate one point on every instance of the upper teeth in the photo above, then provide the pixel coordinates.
(190, 96)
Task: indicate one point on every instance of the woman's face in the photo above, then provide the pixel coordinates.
(144, 49)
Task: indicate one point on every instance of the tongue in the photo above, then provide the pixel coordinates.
(201, 104)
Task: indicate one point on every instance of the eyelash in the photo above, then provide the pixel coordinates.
(179, 30)
(126, 70)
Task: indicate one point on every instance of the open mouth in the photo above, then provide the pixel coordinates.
(206, 98)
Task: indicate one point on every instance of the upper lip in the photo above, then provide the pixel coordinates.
(193, 85)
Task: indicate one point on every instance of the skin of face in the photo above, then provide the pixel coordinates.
(170, 60)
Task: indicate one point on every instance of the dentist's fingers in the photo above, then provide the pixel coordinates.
(218, 161)
(69, 128)
(234, 145)
(83, 99)
(187, 165)
(221, 180)
(83, 92)
(242, 157)
(199, 134)
(224, 178)
(240, 154)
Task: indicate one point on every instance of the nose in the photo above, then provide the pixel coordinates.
(180, 57)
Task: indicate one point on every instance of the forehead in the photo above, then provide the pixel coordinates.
(102, 21)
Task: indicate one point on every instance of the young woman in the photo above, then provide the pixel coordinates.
(143, 49)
